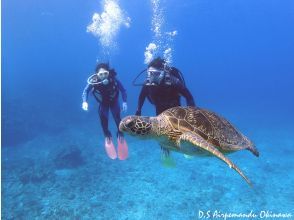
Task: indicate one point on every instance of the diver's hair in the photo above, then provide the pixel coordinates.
(157, 63)
(102, 65)
(107, 67)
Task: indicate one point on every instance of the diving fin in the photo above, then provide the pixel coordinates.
(122, 148)
(110, 149)
(166, 159)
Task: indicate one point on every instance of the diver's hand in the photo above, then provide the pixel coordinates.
(124, 107)
(138, 113)
(85, 106)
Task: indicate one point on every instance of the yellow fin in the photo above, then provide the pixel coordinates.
(168, 161)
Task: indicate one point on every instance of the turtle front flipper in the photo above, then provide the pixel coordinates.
(199, 142)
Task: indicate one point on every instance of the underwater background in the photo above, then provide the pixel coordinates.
(237, 58)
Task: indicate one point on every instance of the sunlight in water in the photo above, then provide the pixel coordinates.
(161, 44)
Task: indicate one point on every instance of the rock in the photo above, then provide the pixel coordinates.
(69, 157)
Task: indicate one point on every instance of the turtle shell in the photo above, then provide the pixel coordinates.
(213, 128)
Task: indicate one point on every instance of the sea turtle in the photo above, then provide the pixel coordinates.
(191, 131)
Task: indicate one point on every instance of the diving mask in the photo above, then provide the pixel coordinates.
(154, 76)
(103, 74)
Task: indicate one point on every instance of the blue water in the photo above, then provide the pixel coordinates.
(237, 58)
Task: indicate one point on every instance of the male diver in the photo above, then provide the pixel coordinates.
(163, 87)
(106, 87)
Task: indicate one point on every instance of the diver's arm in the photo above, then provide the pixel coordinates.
(186, 93)
(86, 91)
(142, 96)
(123, 91)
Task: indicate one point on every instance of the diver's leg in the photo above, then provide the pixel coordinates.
(166, 158)
(165, 154)
(160, 109)
(122, 148)
(115, 110)
(103, 113)
(109, 146)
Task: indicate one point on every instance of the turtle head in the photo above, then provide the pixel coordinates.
(136, 126)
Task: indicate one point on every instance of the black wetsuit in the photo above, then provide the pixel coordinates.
(165, 96)
(107, 96)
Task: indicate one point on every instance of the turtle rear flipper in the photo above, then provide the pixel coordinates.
(254, 150)
(199, 142)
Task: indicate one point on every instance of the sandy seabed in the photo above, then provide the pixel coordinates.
(69, 176)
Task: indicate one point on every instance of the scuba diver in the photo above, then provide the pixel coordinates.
(105, 87)
(163, 87)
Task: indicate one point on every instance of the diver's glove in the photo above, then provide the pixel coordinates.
(138, 113)
(124, 107)
(85, 106)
